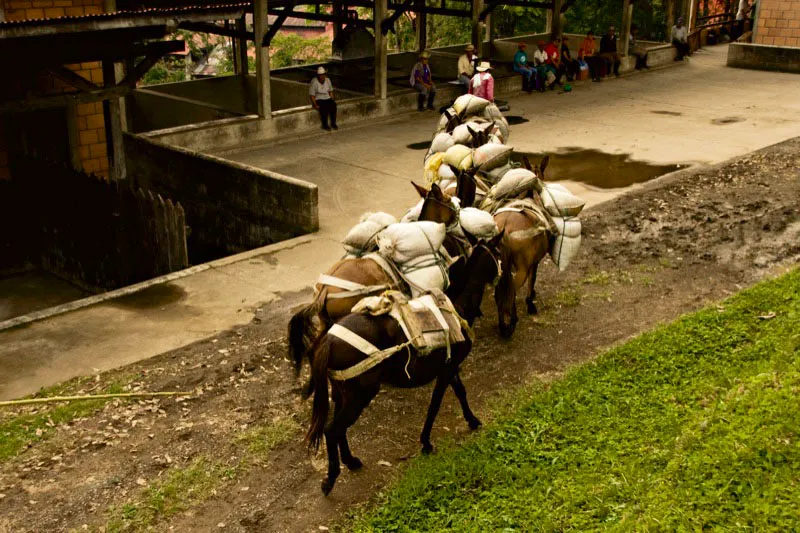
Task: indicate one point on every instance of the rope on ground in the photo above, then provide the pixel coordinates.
(53, 399)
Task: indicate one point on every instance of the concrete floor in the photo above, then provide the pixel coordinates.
(368, 168)
(31, 291)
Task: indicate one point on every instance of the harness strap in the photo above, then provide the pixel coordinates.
(374, 355)
(339, 283)
(360, 292)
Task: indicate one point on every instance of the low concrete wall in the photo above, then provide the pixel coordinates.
(231, 133)
(149, 110)
(230, 207)
(236, 94)
(764, 57)
(286, 94)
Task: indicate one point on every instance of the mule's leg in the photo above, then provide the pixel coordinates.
(332, 447)
(461, 394)
(531, 299)
(442, 382)
(360, 400)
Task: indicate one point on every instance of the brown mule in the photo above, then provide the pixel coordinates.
(325, 309)
(526, 242)
(404, 369)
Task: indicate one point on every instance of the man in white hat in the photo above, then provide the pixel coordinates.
(422, 80)
(321, 93)
(466, 67)
(482, 83)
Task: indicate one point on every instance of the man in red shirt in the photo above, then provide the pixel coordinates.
(554, 63)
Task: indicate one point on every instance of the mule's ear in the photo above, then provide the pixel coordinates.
(495, 241)
(436, 192)
(472, 132)
(527, 163)
(543, 165)
(422, 191)
(471, 239)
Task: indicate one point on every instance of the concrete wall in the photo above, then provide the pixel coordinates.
(777, 23)
(288, 94)
(230, 207)
(236, 94)
(150, 110)
(764, 57)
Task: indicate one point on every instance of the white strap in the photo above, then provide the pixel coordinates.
(356, 341)
(325, 279)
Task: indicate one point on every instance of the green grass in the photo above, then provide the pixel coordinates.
(568, 298)
(19, 432)
(261, 440)
(692, 426)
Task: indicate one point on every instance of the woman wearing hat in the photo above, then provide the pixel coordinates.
(482, 83)
(466, 67)
(321, 93)
(422, 80)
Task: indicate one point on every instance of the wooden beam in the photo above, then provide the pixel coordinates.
(241, 47)
(387, 24)
(381, 63)
(275, 26)
(263, 86)
(627, 19)
(63, 100)
(323, 17)
(215, 29)
(555, 25)
(73, 79)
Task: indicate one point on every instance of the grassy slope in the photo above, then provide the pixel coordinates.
(693, 425)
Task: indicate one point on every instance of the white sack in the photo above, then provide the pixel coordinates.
(494, 175)
(425, 273)
(468, 104)
(441, 142)
(491, 156)
(406, 241)
(443, 119)
(514, 182)
(384, 219)
(459, 157)
(412, 215)
(560, 202)
(461, 134)
(362, 237)
(477, 222)
(567, 242)
(492, 112)
(446, 172)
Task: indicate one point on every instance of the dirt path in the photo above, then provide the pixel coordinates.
(670, 248)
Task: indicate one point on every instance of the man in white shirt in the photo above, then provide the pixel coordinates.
(466, 67)
(543, 78)
(680, 39)
(321, 92)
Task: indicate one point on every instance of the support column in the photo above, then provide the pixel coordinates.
(548, 22)
(116, 116)
(490, 31)
(555, 18)
(478, 31)
(670, 7)
(240, 57)
(422, 27)
(381, 64)
(262, 58)
(627, 18)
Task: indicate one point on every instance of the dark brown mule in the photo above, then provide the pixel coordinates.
(525, 244)
(403, 369)
(303, 333)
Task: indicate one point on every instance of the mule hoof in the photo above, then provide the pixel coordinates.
(327, 485)
(427, 449)
(532, 309)
(506, 331)
(474, 424)
(354, 463)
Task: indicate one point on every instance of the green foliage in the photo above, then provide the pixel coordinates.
(165, 71)
(292, 49)
(693, 426)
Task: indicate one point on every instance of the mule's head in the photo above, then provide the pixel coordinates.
(438, 207)
(466, 188)
(453, 120)
(483, 268)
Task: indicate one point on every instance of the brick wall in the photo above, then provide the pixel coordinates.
(90, 119)
(778, 23)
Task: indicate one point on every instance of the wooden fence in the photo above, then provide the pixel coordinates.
(95, 233)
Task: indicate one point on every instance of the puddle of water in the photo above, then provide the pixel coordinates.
(424, 145)
(727, 120)
(596, 168)
(152, 297)
(670, 113)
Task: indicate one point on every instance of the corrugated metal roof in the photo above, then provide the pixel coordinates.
(127, 15)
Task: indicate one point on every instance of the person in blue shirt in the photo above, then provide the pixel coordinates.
(521, 67)
(422, 81)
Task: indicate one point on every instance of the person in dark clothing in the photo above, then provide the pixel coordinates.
(571, 65)
(321, 93)
(608, 50)
(634, 49)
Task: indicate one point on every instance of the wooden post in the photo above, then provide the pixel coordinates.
(381, 63)
(627, 18)
(422, 27)
(548, 22)
(262, 58)
(477, 27)
(555, 18)
(116, 120)
(240, 58)
(670, 7)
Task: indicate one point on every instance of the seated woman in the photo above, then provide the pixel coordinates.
(587, 53)
(482, 83)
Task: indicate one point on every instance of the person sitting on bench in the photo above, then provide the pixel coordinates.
(466, 67)
(680, 40)
(608, 50)
(571, 65)
(422, 81)
(521, 67)
(586, 53)
(482, 83)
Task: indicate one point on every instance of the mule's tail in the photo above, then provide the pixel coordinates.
(302, 331)
(319, 413)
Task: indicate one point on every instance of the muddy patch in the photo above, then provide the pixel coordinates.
(596, 168)
(152, 297)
